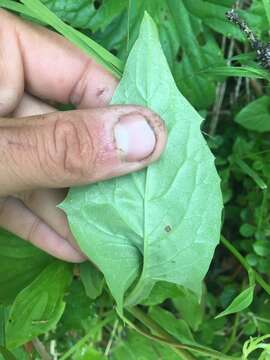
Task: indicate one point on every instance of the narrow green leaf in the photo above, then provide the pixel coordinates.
(39, 306)
(241, 302)
(162, 223)
(243, 71)
(14, 6)
(256, 115)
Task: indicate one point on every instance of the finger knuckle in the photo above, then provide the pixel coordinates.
(71, 149)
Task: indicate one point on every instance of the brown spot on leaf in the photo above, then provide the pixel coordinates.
(168, 228)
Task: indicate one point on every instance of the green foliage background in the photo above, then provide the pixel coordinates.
(74, 315)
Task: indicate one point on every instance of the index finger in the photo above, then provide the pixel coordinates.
(40, 61)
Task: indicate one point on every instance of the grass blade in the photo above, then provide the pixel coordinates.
(251, 173)
(14, 6)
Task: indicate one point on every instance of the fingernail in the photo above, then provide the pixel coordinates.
(134, 137)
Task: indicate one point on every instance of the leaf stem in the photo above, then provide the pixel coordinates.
(258, 278)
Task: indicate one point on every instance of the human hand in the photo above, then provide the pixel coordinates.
(42, 155)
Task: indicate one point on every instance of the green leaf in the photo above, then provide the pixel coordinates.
(241, 302)
(14, 6)
(256, 115)
(108, 12)
(77, 13)
(247, 230)
(162, 223)
(252, 259)
(178, 328)
(189, 307)
(92, 280)
(262, 247)
(20, 263)
(39, 306)
(160, 292)
(83, 14)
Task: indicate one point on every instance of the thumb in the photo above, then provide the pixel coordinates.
(63, 149)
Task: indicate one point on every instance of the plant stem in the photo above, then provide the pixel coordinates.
(109, 345)
(262, 209)
(241, 259)
(41, 350)
(232, 338)
(184, 351)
